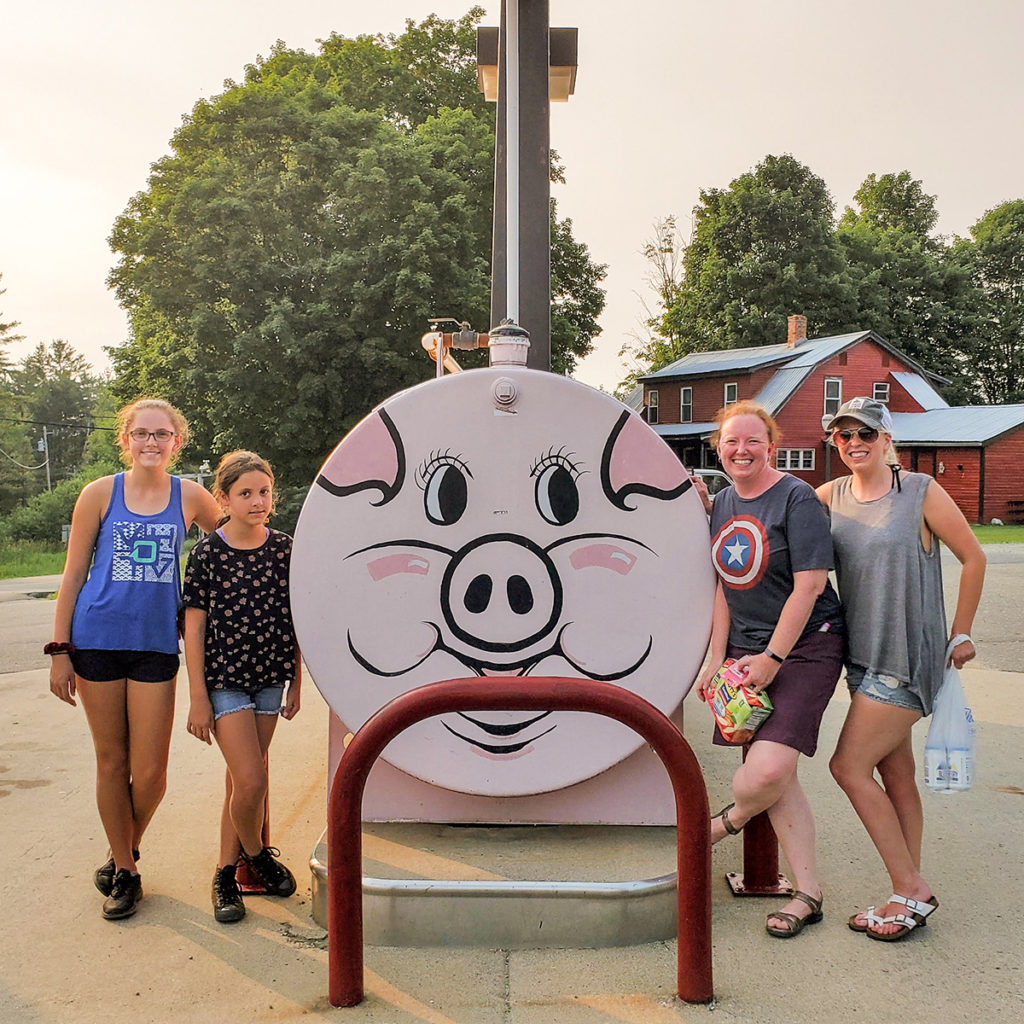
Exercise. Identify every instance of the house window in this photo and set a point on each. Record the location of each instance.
(794, 458)
(652, 406)
(833, 395)
(686, 405)
(732, 394)
(880, 393)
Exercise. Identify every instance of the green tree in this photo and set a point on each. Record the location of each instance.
(15, 451)
(994, 256)
(763, 248)
(910, 287)
(58, 390)
(287, 255)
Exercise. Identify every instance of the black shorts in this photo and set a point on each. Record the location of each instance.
(143, 666)
(800, 691)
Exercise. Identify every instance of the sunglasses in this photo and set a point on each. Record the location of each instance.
(866, 434)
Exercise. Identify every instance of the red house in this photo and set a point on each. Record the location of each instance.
(975, 452)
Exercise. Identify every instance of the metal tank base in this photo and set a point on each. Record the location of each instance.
(445, 885)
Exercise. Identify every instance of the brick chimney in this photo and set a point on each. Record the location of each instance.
(797, 330)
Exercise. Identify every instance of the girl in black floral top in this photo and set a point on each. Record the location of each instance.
(241, 655)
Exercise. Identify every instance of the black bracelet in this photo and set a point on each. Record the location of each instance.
(771, 654)
(59, 647)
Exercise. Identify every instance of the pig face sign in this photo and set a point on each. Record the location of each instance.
(454, 533)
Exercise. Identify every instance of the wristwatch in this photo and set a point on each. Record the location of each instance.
(771, 654)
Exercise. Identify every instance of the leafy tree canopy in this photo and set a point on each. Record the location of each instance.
(286, 256)
(761, 249)
(994, 257)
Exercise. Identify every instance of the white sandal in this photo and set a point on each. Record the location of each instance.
(918, 911)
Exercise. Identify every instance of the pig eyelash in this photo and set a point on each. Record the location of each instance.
(430, 464)
(560, 458)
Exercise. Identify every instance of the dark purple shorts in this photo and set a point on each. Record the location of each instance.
(99, 666)
(800, 691)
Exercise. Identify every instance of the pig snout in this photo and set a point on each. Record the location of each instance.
(501, 594)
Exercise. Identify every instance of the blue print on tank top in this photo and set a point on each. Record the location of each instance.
(144, 552)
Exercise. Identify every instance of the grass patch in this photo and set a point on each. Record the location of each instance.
(30, 558)
(999, 534)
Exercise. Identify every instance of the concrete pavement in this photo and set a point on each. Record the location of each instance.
(60, 962)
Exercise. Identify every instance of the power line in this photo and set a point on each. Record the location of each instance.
(22, 465)
(60, 423)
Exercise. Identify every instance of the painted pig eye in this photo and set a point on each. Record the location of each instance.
(556, 494)
(445, 488)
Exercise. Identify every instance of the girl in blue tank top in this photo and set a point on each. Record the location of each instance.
(115, 639)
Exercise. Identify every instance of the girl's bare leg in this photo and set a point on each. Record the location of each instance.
(150, 708)
(243, 740)
(793, 821)
(758, 783)
(230, 846)
(106, 712)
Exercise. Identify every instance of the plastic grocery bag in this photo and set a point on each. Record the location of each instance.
(949, 748)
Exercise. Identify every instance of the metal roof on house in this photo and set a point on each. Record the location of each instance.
(634, 398)
(805, 353)
(684, 429)
(920, 390)
(963, 425)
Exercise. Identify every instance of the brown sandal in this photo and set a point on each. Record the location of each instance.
(723, 817)
(794, 924)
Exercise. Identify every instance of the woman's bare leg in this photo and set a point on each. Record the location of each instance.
(875, 734)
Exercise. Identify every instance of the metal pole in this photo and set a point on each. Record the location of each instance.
(344, 829)
(46, 452)
(512, 157)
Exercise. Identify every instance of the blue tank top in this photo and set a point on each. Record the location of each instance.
(130, 600)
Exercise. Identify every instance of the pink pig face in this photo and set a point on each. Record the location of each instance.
(447, 537)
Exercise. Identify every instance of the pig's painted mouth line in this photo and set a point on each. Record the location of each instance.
(489, 668)
(504, 748)
(508, 729)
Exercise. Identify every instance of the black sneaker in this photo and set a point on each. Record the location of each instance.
(103, 877)
(227, 900)
(276, 878)
(124, 895)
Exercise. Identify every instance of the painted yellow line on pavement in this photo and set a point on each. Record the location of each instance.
(400, 1000)
(425, 865)
(636, 1009)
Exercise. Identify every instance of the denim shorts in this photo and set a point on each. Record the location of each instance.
(882, 688)
(262, 702)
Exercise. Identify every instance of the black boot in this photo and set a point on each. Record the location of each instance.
(227, 900)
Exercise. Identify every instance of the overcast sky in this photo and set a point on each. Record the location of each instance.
(672, 96)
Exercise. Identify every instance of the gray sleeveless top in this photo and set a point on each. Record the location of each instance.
(890, 586)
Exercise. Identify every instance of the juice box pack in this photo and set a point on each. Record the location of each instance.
(738, 710)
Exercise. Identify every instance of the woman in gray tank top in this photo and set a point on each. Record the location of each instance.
(886, 528)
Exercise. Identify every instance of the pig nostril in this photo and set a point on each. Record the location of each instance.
(478, 594)
(520, 596)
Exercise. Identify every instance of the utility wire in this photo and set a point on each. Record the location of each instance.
(22, 465)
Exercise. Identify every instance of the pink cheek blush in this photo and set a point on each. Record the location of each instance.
(391, 565)
(603, 556)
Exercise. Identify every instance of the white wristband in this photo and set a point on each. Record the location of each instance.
(960, 638)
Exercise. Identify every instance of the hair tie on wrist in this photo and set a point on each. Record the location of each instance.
(59, 647)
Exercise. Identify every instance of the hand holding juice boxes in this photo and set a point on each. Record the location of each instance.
(738, 710)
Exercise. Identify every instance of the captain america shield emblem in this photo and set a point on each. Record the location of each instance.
(740, 552)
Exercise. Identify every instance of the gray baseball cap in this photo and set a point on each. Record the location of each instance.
(867, 411)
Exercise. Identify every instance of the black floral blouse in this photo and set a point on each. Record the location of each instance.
(250, 639)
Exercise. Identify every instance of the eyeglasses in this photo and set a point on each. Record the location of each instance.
(160, 436)
(867, 434)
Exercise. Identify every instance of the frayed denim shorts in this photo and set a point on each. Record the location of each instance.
(882, 688)
(262, 702)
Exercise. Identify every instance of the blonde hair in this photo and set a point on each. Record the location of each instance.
(235, 465)
(126, 417)
(746, 408)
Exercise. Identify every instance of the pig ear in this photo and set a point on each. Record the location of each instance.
(371, 457)
(636, 461)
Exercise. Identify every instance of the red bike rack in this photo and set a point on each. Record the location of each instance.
(513, 693)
